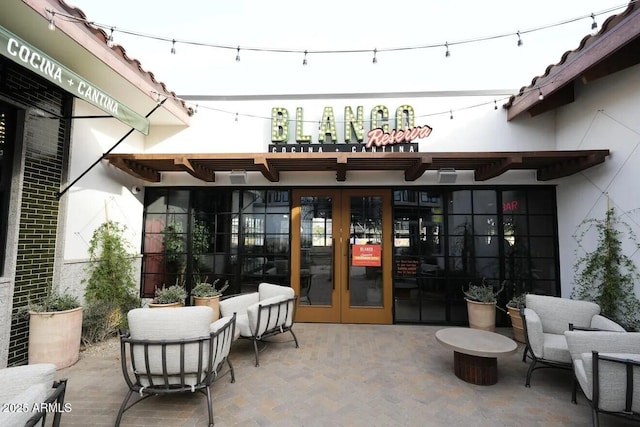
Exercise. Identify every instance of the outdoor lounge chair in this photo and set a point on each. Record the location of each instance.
(546, 318)
(262, 314)
(28, 393)
(606, 365)
(174, 350)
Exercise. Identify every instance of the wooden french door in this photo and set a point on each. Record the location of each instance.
(341, 264)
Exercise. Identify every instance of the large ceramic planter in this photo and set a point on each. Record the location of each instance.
(170, 305)
(516, 323)
(54, 337)
(482, 315)
(213, 302)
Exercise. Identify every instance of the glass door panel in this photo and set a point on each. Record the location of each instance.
(314, 255)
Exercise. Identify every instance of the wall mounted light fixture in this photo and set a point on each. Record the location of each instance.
(447, 176)
(238, 176)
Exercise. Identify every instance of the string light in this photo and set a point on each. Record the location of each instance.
(195, 110)
(173, 47)
(52, 22)
(110, 39)
(236, 117)
(519, 33)
(540, 95)
(450, 112)
(304, 61)
(375, 58)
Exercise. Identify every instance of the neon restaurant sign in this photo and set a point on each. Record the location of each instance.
(380, 137)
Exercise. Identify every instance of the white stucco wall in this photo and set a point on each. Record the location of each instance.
(106, 191)
(103, 193)
(604, 115)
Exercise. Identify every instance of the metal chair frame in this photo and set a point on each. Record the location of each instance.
(537, 362)
(272, 310)
(164, 383)
(628, 412)
(57, 399)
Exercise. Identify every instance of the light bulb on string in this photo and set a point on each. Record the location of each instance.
(304, 61)
(540, 94)
(375, 57)
(447, 54)
(519, 39)
(238, 55)
(495, 104)
(173, 47)
(236, 118)
(594, 24)
(451, 114)
(110, 38)
(52, 22)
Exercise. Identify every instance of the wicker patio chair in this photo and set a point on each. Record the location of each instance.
(174, 350)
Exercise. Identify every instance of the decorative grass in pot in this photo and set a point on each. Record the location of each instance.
(55, 329)
(205, 293)
(481, 305)
(172, 296)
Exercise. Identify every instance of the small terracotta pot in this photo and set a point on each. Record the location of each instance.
(170, 305)
(482, 315)
(213, 302)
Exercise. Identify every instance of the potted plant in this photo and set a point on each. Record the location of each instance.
(481, 305)
(606, 275)
(205, 293)
(172, 296)
(55, 329)
(514, 307)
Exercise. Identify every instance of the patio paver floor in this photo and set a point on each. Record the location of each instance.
(342, 375)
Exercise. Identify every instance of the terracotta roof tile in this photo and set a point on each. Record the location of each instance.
(100, 34)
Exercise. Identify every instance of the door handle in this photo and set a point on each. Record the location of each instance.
(348, 264)
(333, 263)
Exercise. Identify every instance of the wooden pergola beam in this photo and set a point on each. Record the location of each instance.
(492, 170)
(418, 168)
(267, 170)
(136, 170)
(195, 170)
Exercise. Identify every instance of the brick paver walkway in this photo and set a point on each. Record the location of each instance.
(342, 375)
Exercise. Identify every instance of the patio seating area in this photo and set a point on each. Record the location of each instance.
(342, 375)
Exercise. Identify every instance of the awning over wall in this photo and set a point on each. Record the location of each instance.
(547, 164)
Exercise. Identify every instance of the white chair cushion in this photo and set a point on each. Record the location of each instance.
(242, 325)
(170, 324)
(16, 379)
(36, 393)
(267, 321)
(612, 381)
(605, 324)
(581, 375)
(556, 313)
(534, 332)
(223, 344)
(238, 304)
(267, 290)
(555, 348)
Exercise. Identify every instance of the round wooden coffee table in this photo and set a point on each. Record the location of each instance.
(475, 353)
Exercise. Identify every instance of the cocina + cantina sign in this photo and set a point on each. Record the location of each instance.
(380, 138)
